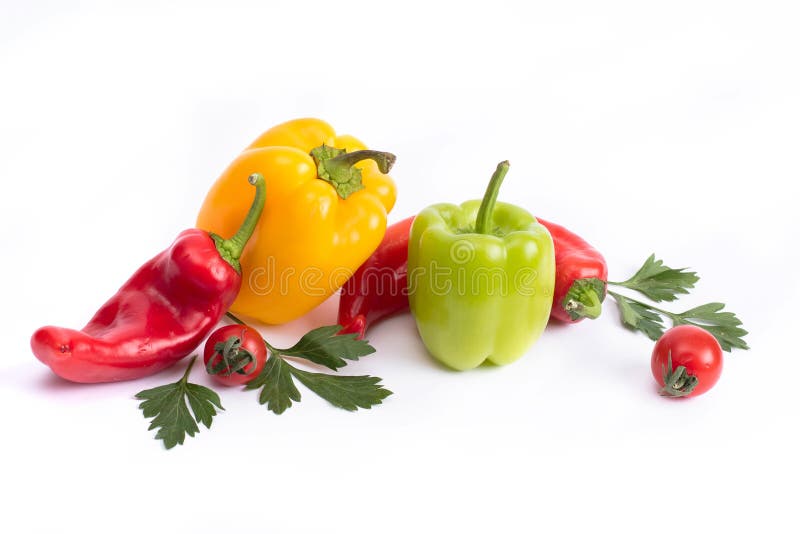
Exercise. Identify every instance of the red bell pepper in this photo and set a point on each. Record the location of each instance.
(160, 315)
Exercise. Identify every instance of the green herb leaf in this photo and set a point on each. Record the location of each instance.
(278, 389)
(167, 404)
(324, 347)
(639, 316)
(346, 392)
(724, 326)
(660, 283)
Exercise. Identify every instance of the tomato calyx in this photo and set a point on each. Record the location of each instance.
(678, 382)
(229, 358)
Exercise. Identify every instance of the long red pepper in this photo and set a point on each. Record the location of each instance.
(581, 273)
(378, 288)
(160, 314)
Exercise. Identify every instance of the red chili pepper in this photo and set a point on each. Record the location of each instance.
(160, 314)
(581, 274)
(378, 288)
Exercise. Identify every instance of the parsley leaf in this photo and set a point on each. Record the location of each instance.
(324, 347)
(660, 283)
(638, 316)
(723, 325)
(278, 389)
(346, 392)
(167, 404)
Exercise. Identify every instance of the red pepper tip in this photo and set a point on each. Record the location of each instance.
(51, 344)
(357, 326)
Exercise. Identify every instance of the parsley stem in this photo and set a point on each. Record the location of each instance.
(236, 320)
(188, 369)
(671, 315)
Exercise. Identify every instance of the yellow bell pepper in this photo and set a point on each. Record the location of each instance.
(325, 213)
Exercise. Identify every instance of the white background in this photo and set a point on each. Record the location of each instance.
(667, 127)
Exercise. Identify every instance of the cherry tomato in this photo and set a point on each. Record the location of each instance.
(235, 354)
(686, 362)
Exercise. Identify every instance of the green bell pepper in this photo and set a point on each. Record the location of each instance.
(481, 279)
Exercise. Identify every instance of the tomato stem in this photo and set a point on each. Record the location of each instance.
(677, 382)
(232, 358)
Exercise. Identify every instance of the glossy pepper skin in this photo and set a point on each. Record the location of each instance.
(378, 288)
(364, 301)
(160, 315)
(578, 265)
(481, 279)
(319, 224)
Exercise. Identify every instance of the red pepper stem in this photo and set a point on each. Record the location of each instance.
(231, 249)
(584, 298)
(590, 306)
(483, 221)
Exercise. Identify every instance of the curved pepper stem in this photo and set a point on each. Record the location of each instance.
(584, 298)
(483, 220)
(337, 167)
(231, 249)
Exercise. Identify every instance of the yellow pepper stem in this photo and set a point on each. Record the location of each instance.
(385, 160)
(337, 167)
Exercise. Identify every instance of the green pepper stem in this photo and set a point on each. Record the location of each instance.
(231, 249)
(484, 219)
(343, 162)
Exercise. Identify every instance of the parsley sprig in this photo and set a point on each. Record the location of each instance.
(172, 416)
(723, 325)
(660, 283)
(167, 404)
(322, 346)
